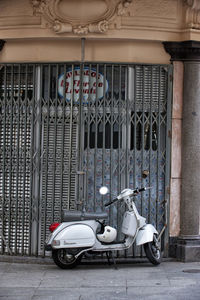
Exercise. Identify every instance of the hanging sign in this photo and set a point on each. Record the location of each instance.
(92, 85)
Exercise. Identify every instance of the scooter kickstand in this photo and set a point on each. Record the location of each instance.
(109, 255)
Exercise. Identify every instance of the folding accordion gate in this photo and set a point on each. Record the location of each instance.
(67, 129)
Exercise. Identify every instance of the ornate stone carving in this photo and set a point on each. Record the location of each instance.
(193, 14)
(97, 16)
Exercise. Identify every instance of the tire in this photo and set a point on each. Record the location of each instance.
(64, 259)
(153, 252)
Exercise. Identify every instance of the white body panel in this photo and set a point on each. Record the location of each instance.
(74, 235)
(130, 224)
(142, 221)
(77, 235)
(145, 234)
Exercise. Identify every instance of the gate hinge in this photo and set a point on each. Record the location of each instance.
(171, 77)
(169, 134)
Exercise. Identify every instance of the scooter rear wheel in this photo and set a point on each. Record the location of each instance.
(152, 251)
(64, 259)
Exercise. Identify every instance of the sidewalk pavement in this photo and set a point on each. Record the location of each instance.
(133, 280)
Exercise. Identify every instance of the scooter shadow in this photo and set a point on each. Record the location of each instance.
(143, 263)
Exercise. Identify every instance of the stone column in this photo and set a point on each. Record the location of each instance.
(188, 245)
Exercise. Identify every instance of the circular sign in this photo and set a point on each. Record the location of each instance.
(92, 85)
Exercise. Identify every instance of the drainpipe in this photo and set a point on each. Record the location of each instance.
(81, 179)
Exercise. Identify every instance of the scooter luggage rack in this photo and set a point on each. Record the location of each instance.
(75, 215)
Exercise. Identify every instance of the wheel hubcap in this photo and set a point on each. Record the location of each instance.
(156, 248)
(66, 257)
(156, 252)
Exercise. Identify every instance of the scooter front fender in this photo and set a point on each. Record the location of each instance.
(145, 234)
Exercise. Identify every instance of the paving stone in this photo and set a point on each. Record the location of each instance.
(100, 282)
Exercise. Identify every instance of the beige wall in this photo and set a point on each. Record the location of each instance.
(95, 50)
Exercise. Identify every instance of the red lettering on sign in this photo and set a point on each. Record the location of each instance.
(76, 73)
(86, 91)
(68, 90)
(88, 81)
(92, 91)
(77, 82)
(69, 74)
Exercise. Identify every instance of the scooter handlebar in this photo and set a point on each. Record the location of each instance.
(111, 202)
(142, 189)
(135, 192)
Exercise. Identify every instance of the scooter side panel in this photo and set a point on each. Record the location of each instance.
(74, 236)
(145, 234)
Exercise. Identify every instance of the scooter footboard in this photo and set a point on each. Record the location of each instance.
(145, 234)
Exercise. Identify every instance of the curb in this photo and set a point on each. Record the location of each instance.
(85, 261)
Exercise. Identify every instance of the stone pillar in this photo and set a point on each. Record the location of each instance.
(188, 245)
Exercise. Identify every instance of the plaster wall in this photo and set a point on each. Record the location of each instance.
(95, 50)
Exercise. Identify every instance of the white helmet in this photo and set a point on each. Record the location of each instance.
(108, 236)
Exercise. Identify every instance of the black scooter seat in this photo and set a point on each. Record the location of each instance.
(75, 215)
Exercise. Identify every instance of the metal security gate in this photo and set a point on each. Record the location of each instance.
(65, 130)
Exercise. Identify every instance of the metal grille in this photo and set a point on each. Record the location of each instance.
(60, 121)
(15, 157)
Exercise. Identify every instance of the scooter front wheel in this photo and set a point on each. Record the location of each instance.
(64, 259)
(152, 251)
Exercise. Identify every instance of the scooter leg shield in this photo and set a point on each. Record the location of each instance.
(145, 234)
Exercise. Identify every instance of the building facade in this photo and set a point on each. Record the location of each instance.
(95, 93)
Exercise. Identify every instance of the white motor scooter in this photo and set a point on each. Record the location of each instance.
(81, 233)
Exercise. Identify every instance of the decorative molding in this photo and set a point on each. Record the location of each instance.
(2, 42)
(183, 51)
(62, 17)
(193, 14)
